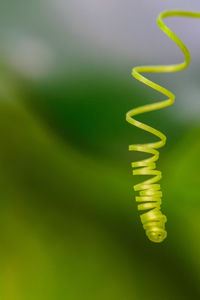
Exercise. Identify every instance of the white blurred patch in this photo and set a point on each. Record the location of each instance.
(29, 56)
(127, 28)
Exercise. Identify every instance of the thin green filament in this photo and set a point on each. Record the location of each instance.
(149, 199)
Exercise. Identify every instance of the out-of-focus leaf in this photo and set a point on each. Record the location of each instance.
(69, 229)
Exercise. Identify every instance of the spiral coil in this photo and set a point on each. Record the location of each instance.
(150, 195)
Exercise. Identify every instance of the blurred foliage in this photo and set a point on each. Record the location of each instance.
(88, 110)
(69, 224)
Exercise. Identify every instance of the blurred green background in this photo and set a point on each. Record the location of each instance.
(68, 218)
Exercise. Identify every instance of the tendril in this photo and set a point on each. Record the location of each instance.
(150, 195)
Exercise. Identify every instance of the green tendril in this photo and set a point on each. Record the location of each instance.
(149, 198)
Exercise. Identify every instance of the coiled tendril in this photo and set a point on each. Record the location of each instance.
(149, 198)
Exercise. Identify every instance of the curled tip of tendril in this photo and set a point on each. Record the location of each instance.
(149, 191)
(156, 235)
(154, 225)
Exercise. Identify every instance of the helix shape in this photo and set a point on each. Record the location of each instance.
(150, 195)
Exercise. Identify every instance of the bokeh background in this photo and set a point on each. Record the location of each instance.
(69, 226)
